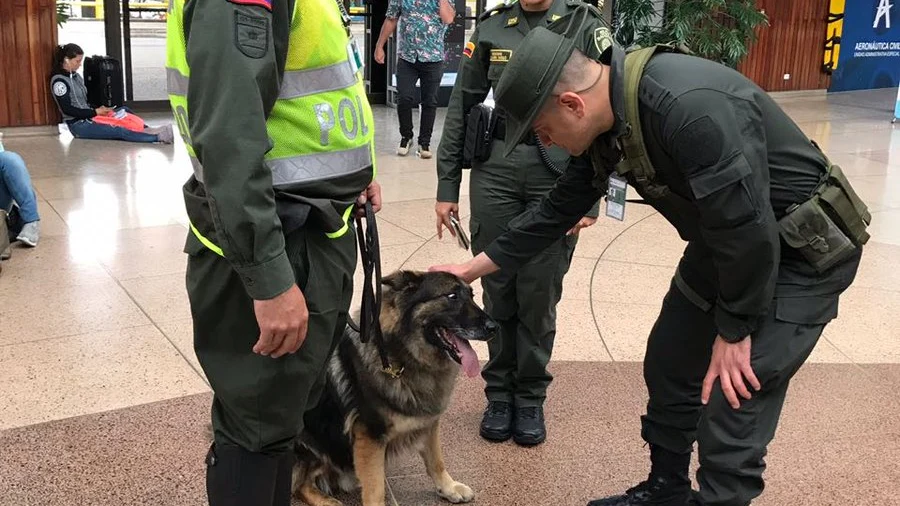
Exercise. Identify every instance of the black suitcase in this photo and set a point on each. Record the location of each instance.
(104, 81)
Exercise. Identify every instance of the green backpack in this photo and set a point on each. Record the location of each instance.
(635, 158)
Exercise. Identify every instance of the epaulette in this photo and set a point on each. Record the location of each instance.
(502, 6)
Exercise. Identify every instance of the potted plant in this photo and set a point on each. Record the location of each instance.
(720, 30)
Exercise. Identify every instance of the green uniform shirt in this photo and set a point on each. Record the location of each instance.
(490, 48)
(734, 162)
(231, 93)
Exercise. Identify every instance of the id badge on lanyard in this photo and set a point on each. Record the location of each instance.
(356, 61)
(615, 197)
(353, 53)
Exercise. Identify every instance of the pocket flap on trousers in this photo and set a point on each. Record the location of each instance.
(809, 310)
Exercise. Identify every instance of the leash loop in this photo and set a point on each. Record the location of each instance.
(370, 311)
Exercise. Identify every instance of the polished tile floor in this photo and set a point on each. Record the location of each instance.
(102, 400)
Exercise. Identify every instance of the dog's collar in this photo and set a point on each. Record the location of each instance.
(393, 371)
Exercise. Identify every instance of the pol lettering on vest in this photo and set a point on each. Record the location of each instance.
(326, 118)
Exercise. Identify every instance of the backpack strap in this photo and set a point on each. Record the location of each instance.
(635, 158)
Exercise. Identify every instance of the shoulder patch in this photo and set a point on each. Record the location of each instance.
(60, 88)
(500, 55)
(266, 4)
(251, 34)
(602, 39)
(469, 50)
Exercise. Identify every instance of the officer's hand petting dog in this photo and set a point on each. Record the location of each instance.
(730, 363)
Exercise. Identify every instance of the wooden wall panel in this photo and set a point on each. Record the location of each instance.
(28, 38)
(793, 43)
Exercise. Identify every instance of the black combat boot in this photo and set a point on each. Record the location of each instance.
(529, 423)
(237, 477)
(667, 485)
(496, 425)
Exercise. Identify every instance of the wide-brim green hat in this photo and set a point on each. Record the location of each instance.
(533, 70)
(528, 79)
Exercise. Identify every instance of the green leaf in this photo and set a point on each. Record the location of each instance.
(720, 30)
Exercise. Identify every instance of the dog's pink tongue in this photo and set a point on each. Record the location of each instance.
(469, 358)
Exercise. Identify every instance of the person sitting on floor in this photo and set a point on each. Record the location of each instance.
(15, 186)
(70, 93)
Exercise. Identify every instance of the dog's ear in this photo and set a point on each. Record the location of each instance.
(401, 281)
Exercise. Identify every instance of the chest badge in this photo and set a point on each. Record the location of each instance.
(554, 17)
(513, 21)
(500, 55)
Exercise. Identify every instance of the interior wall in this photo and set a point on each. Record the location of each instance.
(789, 53)
(27, 42)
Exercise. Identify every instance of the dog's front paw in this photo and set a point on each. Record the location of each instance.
(457, 493)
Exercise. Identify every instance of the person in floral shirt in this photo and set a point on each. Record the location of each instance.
(420, 52)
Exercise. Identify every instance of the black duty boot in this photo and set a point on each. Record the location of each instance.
(530, 429)
(667, 485)
(237, 477)
(496, 425)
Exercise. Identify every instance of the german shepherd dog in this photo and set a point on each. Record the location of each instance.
(368, 413)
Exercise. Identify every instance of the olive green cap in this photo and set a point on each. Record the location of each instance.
(534, 69)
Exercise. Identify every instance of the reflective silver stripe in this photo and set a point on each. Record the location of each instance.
(176, 82)
(198, 168)
(319, 166)
(296, 83)
(300, 83)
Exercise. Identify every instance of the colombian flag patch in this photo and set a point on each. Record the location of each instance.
(266, 4)
(469, 49)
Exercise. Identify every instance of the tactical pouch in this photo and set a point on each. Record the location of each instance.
(840, 201)
(477, 145)
(809, 229)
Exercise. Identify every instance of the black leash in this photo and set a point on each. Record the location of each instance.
(370, 256)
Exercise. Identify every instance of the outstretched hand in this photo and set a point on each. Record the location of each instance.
(480, 265)
(731, 364)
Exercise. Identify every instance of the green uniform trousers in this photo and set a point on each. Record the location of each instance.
(522, 303)
(259, 401)
(731, 443)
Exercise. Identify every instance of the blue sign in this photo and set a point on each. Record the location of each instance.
(870, 46)
(896, 111)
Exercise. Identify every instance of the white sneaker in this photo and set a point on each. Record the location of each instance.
(30, 233)
(403, 149)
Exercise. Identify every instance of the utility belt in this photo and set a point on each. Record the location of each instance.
(830, 226)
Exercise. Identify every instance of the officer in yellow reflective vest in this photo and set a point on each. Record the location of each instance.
(271, 107)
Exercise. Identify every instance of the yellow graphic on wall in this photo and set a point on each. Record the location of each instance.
(833, 34)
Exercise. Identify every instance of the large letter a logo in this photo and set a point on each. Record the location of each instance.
(884, 12)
